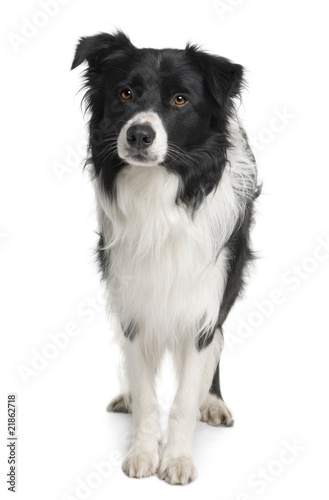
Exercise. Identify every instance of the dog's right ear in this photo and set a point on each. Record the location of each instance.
(94, 49)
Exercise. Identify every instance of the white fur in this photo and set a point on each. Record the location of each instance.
(165, 273)
(168, 274)
(157, 151)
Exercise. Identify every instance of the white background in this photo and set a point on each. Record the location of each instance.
(274, 369)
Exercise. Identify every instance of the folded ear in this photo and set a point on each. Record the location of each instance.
(95, 48)
(223, 78)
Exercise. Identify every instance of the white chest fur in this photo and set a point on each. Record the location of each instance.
(168, 270)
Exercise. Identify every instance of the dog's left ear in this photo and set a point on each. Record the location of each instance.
(94, 49)
(223, 77)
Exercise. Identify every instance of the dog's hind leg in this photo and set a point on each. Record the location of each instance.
(121, 404)
(213, 410)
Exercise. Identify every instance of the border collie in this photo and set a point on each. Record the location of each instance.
(175, 182)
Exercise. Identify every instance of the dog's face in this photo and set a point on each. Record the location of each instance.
(158, 106)
(151, 107)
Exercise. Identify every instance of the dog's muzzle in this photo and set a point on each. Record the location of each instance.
(140, 136)
(143, 140)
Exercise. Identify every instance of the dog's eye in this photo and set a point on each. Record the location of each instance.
(126, 94)
(179, 100)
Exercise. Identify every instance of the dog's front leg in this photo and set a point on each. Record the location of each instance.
(142, 459)
(177, 464)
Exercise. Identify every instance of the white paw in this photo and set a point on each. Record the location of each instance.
(215, 412)
(140, 462)
(179, 470)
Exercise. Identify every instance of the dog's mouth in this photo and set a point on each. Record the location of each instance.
(139, 158)
(142, 157)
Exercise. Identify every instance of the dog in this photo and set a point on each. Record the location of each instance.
(175, 182)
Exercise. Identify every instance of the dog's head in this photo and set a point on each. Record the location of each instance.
(151, 107)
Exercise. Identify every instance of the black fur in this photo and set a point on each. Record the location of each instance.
(215, 386)
(102, 256)
(211, 83)
(130, 331)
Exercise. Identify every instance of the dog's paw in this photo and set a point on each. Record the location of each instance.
(141, 463)
(178, 470)
(215, 412)
(121, 404)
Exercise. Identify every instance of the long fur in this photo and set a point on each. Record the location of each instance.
(174, 232)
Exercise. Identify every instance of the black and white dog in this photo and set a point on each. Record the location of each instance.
(175, 182)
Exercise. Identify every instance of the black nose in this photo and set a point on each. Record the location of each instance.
(140, 136)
